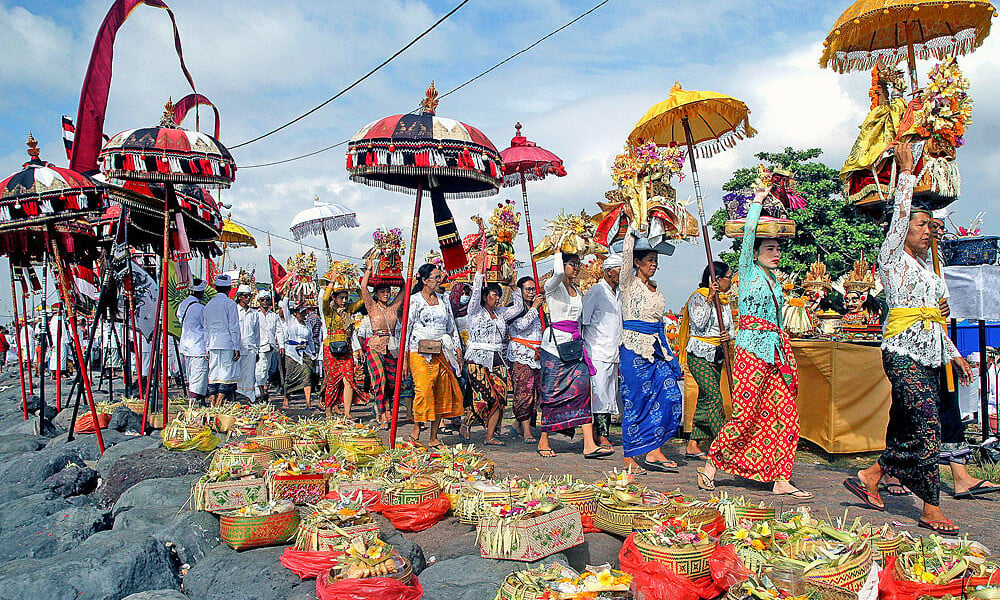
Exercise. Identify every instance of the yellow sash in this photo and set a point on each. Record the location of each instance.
(901, 319)
(684, 332)
(715, 341)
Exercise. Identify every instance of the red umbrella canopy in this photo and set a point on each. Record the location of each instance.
(197, 206)
(527, 159)
(399, 152)
(168, 154)
(43, 193)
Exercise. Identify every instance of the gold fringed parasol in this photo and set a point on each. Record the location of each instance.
(236, 236)
(870, 30)
(716, 121)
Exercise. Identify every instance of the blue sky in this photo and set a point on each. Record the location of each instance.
(577, 94)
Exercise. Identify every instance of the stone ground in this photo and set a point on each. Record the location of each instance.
(77, 525)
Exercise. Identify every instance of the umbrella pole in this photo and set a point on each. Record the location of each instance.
(911, 57)
(168, 201)
(329, 255)
(17, 338)
(949, 373)
(30, 359)
(407, 288)
(70, 313)
(708, 244)
(531, 245)
(58, 349)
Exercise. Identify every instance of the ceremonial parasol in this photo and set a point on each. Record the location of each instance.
(167, 154)
(708, 123)
(321, 218)
(892, 30)
(526, 160)
(234, 236)
(42, 194)
(411, 152)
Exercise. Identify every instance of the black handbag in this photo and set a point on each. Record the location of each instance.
(571, 351)
(337, 348)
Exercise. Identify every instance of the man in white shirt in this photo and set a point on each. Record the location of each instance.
(191, 314)
(602, 329)
(223, 339)
(267, 353)
(250, 335)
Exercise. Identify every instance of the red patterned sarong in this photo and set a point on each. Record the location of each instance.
(338, 368)
(382, 369)
(759, 440)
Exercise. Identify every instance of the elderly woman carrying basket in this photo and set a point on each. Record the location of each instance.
(914, 348)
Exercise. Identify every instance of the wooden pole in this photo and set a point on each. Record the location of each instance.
(531, 245)
(911, 57)
(936, 262)
(84, 374)
(43, 346)
(58, 349)
(407, 288)
(17, 338)
(168, 202)
(984, 387)
(30, 355)
(708, 245)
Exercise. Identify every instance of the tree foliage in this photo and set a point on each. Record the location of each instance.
(828, 228)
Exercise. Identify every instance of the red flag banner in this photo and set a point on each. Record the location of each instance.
(278, 272)
(97, 82)
(211, 271)
(190, 101)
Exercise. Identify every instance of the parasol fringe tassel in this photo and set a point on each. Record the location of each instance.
(316, 227)
(963, 42)
(402, 189)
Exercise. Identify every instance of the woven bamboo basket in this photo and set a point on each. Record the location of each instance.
(313, 538)
(353, 486)
(511, 589)
(307, 488)
(700, 517)
(751, 514)
(356, 444)
(224, 423)
(242, 532)
(404, 572)
(690, 561)
(416, 491)
(277, 443)
(471, 502)
(308, 446)
(849, 575)
(225, 458)
(617, 519)
(584, 500)
(883, 548)
(228, 495)
(822, 591)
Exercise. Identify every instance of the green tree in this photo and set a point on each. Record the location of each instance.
(828, 228)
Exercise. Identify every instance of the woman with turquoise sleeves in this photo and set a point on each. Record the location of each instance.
(759, 440)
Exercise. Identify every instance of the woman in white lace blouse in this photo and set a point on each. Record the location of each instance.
(915, 347)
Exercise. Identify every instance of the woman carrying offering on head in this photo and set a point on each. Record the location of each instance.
(650, 373)
(338, 355)
(434, 355)
(488, 375)
(704, 353)
(566, 370)
(523, 350)
(759, 440)
(914, 348)
(383, 343)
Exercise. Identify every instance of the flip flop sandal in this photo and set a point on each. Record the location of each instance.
(598, 454)
(704, 481)
(694, 456)
(896, 489)
(654, 465)
(494, 442)
(980, 489)
(546, 453)
(945, 527)
(797, 494)
(858, 489)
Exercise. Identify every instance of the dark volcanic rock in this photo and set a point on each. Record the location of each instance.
(74, 480)
(248, 575)
(172, 492)
(125, 420)
(157, 595)
(408, 549)
(38, 527)
(599, 548)
(193, 534)
(86, 443)
(131, 445)
(149, 464)
(32, 468)
(471, 577)
(107, 566)
(19, 443)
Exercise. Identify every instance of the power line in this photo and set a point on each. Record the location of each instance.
(357, 82)
(449, 92)
(294, 241)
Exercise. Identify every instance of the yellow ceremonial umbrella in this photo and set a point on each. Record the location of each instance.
(235, 236)
(708, 123)
(891, 30)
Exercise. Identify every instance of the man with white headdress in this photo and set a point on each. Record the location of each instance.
(193, 348)
(250, 335)
(267, 353)
(602, 329)
(223, 339)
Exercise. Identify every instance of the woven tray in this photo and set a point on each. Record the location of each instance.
(245, 532)
(850, 575)
(312, 538)
(767, 227)
(277, 443)
(585, 501)
(617, 519)
(690, 561)
(229, 495)
(300, 489)
(308, 446)
(472, 500)
(419, 490)
(537, 537)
